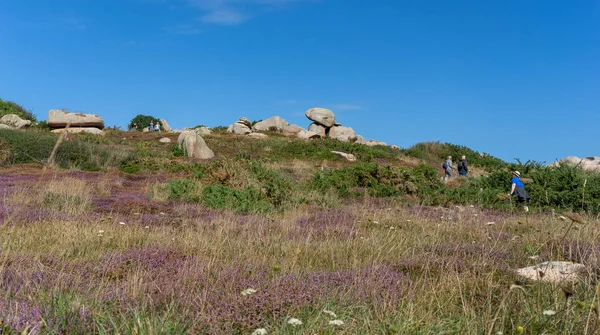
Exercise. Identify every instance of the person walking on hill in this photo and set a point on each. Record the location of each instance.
(157, 127)
(518, 188)
(448, 168)
(151, 126)
(463, 168)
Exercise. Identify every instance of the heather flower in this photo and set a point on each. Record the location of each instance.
(260, 331)
(330, 313)
(294, 322)
(336, 323)
(248, 291)
(549, 312)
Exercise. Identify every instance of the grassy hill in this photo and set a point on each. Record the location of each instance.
(124, 235)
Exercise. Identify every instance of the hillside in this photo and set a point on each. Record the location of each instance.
(124, 234)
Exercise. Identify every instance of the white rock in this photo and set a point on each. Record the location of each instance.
(14, 121)
(318, 129)
(322, 116)
(393, 146)
(3, 126)
(292, 129)
(165, 140)
(76, 130)
(372, 143)
(245, 122)
(591, 163)
(344, 134)
(165, 126)
(307, 135)
(554, 272)
(271, 123)
(349, 157)
(239, 128)
(60, 119)
(194, 146)
(202, 131)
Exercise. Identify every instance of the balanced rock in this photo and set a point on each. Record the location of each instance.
(273, 123)
(194, 146)
(344, 134)
(241, 127)
(165, 140)
(307, 135)
(349, 157)
(292, 129)
(77, 130)
(554, 272)
(587, 163)
(245, 122)
(14, 121)
(60, 119)
(322, 116)
(318, 129)
(165, 126)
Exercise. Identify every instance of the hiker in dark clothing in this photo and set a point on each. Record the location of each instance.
(463, 168)
(518, 188)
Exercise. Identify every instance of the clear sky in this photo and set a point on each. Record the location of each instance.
(514, 78)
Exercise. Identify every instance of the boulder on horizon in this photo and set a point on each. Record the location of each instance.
(322, 116)
(274, 122)
(14, 121)
(60, 119)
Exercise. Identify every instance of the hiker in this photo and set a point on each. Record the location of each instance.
(518, 188)
(134, 126)
(157, 127)
(463, 168)
(151, 126)
(447, 166)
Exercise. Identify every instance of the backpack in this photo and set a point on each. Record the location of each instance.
(461, 165)
(445, 165)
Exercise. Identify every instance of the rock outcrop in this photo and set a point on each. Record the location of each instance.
(165, 126)
(322, 116)
(77, 130)
(193, 145)
(3, 126)
(344, 134)
(318, 129)
(307, 135)
(588, 163)
(60, 119)
(273, 123)
(292, 129)
(241, 127)
(14, 121)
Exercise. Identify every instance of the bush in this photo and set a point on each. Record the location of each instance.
(142, 121)
(437, 152)
(9, 107)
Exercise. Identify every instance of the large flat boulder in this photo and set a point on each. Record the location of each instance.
(239, 128)
(307, 135)
(322, 116)
(273, 123)
(194, 146)
(14, 121)
(60, 119)
(76, 130)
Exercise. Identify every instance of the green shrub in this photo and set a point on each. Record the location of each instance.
(247, 200)
(436, 152)
(9, 107)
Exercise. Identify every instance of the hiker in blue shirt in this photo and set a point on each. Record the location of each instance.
(518, 188)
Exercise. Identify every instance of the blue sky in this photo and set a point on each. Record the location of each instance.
(511, 78)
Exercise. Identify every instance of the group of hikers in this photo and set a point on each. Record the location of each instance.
(151, 126)
(517, 187)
